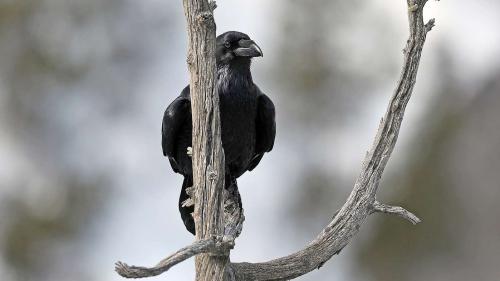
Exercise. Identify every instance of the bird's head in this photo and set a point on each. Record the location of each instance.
(236, 48)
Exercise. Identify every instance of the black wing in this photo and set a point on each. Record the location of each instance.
(265, 129)
(175, 115)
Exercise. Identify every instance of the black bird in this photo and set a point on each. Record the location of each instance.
(247, 116)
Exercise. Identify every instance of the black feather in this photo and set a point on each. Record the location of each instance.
(247, 116)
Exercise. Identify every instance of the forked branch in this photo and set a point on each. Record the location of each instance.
(362, 200)
(360, 203)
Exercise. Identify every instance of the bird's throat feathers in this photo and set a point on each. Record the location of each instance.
(232, 77)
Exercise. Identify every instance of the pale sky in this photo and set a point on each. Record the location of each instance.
(143, 227)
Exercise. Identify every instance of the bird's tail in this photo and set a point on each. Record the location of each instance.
(186, 203)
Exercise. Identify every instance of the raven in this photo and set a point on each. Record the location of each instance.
(247, 116)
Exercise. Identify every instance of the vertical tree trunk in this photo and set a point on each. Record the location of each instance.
(208, 156)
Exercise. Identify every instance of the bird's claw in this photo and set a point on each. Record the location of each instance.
(187, 203)
(190, 191)
(190, 200)
(189, 151)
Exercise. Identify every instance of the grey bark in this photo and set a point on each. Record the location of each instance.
(208, 156)
(209, 245)
(209, 169)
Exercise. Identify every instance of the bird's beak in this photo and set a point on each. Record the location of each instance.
(248, 48)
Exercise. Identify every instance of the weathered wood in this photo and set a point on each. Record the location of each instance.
(361, 201)
(208, 156)
(208, 168)
(209, 245)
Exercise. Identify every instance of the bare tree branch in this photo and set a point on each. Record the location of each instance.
(216, 246)
(395, 210)
(208, 156)
(209, 168)
(210, 245)
(361, 201)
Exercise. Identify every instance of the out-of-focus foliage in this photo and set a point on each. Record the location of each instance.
(46, 225)
(67, 70)
(315, 65)
(451, 181)
(83, 182)
(450, 158)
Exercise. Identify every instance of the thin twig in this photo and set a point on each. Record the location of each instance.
(395, 210)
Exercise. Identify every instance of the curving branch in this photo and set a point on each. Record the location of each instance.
(361, 201)
(346, 222)
(212, 245)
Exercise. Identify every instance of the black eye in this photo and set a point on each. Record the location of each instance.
(227, 45)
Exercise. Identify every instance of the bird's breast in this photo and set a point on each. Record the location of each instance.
(238, 111)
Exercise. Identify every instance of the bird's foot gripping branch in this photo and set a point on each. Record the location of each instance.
(224, 214)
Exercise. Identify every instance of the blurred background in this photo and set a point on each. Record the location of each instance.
(83, 183)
